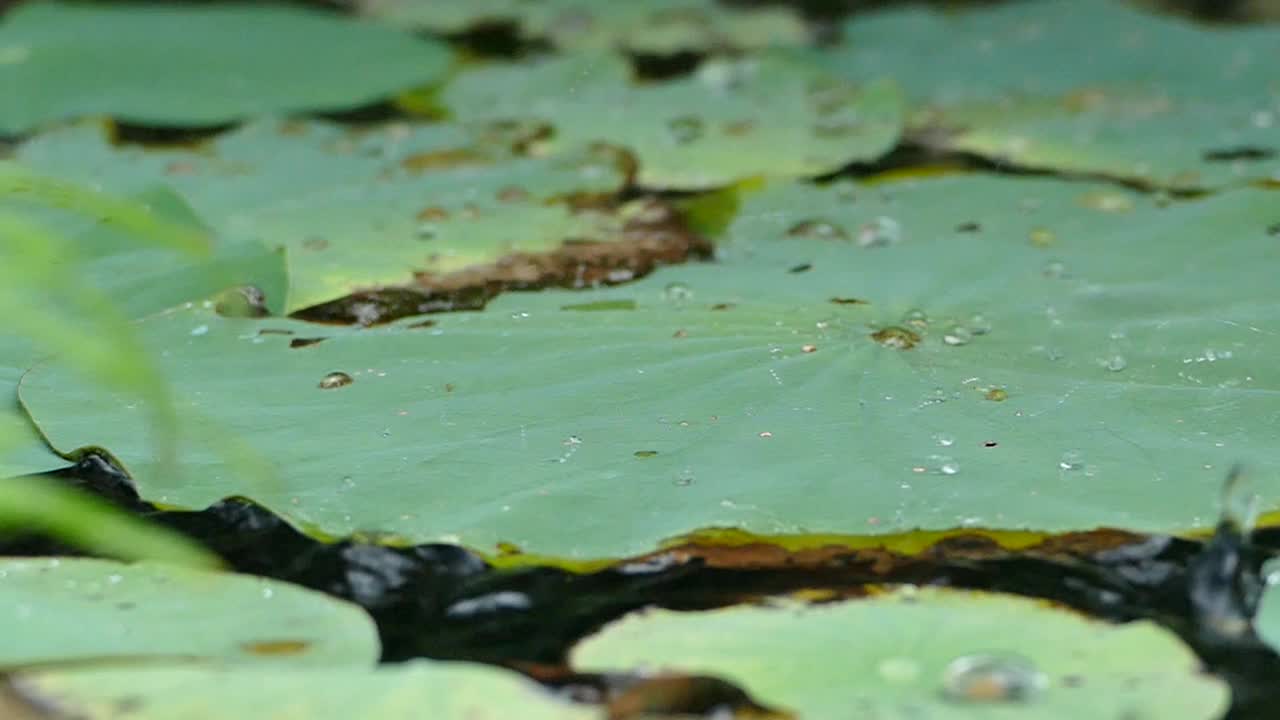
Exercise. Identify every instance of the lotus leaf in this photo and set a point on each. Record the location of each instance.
(1092, 86)
(936, 654)
(657, 27)
(356, 210)
(951, 352)
(154, 612)
(732, 119)
(221, 62)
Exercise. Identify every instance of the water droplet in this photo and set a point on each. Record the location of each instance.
(200, 330)
(950, 467)
(268, 593)
(1071, 460)
(996, 394)
(808, 348)
(944, 439)
(982, 678)
(348, 482)
(1042, 237)
(979, 324)
(427, 231)
(1055, 269)
(685, 477)
(677, 292)
(898, 669)
(820, 229)
(685, 129)
(765, 434)
(1111, 202)
(1115, 363)
(879, 232)
(896, 337)
(335, 380)
(957, 335)
(916, 318)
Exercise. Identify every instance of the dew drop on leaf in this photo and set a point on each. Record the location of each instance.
(957, 335)
(685, 129)
(1071, 460)
(986, 678)
(979, 324)
(820, 229)
(944, 439)
(1115, 363)
(335, 380)
(1055, 269)
(916, 318)
(677, 292)
(879, 232)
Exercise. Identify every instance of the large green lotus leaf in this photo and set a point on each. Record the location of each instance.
(732, 119)
(421, 689)
(73, 610)
(355, 210)
(658, 27)
(1076, 367)
(137, 278)
(198, 65)
(1092, 86)
(936, 654)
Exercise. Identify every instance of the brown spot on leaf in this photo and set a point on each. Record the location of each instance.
(433, 213)
(642, 236)
(848, 301)
(441, 159)
(276, 647)
(896, 337)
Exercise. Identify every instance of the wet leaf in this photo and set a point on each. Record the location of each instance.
(447, 691)
(935, 654)
(71, 280)
(657, 27)
(733, 119)
(442, 436)
(353, 210)
(1094, 87)
(221, 63)
(161, 613)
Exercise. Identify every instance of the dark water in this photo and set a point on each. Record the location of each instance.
(442, 601)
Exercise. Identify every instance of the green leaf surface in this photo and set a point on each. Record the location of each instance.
(221, 63)
(356, 210)
(900, 657)
(73, 280)
(657, 27)
(154, 612)
(1075, 368)
(420, 689)
(1092, 86)
(732, 119)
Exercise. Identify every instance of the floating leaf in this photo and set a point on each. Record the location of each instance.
(659, 27)
(732, 119)
(166, 614)
(358, 210)
(784, 413)
(939, 654)
(1093, 86)
(221, 63)
(442, 691)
